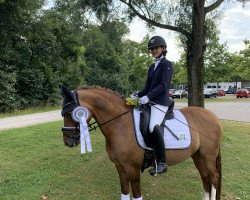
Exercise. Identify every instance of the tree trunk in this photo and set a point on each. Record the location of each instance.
(195, 58)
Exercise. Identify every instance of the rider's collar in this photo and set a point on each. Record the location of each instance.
(158, 59)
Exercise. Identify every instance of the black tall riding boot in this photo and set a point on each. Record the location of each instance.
(159, 147)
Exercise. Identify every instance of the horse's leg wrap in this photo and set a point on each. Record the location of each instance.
(140, 198)
(213, 193)
(125, 197)
(205, 196)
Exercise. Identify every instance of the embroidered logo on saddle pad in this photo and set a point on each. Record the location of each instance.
(180, 137)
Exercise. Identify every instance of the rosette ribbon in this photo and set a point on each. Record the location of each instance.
(81, 114)
(84, 136)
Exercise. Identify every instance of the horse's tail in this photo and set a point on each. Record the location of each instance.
(218, 169)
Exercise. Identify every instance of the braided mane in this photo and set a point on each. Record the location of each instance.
(97, 87)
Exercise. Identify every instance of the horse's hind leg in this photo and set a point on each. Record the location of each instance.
(207, 169)
(199, 163)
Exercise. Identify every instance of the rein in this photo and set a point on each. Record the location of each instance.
(95, 127)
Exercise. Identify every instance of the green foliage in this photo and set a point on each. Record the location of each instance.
(216, 57)
(220, 65)
(245, 64)
(139, 60)
(180, 71)
(32, 80)
(104, 58)
(16, 19)
(44, 50)
(238, 67)
(7, 91)
(41, 49)
(100, 7)
(114, 32)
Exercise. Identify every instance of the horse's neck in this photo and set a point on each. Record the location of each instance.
(106, 106)
(115, 120)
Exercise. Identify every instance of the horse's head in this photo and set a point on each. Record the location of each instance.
(101, 103)
(71, 130)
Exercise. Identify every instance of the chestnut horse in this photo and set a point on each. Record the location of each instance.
(115, 120)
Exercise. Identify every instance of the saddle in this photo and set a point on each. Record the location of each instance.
(145, 111)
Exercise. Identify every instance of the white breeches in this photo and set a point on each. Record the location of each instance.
(157, 115)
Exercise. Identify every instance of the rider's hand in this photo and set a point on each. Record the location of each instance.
(144, 100)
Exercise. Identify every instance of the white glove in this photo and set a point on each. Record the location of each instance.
(144, 100)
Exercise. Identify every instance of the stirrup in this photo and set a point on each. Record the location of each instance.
(159, 168)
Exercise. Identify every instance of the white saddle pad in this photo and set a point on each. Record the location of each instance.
(178, 125)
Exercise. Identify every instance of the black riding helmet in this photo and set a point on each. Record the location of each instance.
(156, 41)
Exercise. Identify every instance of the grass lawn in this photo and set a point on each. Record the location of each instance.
(34, 162)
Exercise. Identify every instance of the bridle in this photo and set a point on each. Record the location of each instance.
(74, 132)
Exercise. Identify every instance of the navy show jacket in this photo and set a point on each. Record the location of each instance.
(158, 83)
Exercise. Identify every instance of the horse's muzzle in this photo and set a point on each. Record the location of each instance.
(71, 136)
(71, 143)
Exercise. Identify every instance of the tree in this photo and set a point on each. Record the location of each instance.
(138, 59)
(64, 26)
(188, 18)
(216, 57)
(16, 19)
(238, 65)
(39, 50)
(180, 72)
(246, 60)
(7, 92)
(104, 58)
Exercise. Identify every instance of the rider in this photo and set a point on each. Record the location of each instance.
(156, 92)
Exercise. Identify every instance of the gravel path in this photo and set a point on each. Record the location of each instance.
(236, 111)
(27, 120)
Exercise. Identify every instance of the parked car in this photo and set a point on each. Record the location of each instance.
(220, 93)
(209, 93)
(231, 90)
(171, 92)
(243, 92)
(180, 94)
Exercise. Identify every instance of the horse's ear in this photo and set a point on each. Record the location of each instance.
(67, 94)
(64, 90)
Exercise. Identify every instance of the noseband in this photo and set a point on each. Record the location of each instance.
(72, 132)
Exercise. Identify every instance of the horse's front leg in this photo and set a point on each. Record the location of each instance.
(134, 179)
(130, 176)
(124, 182)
